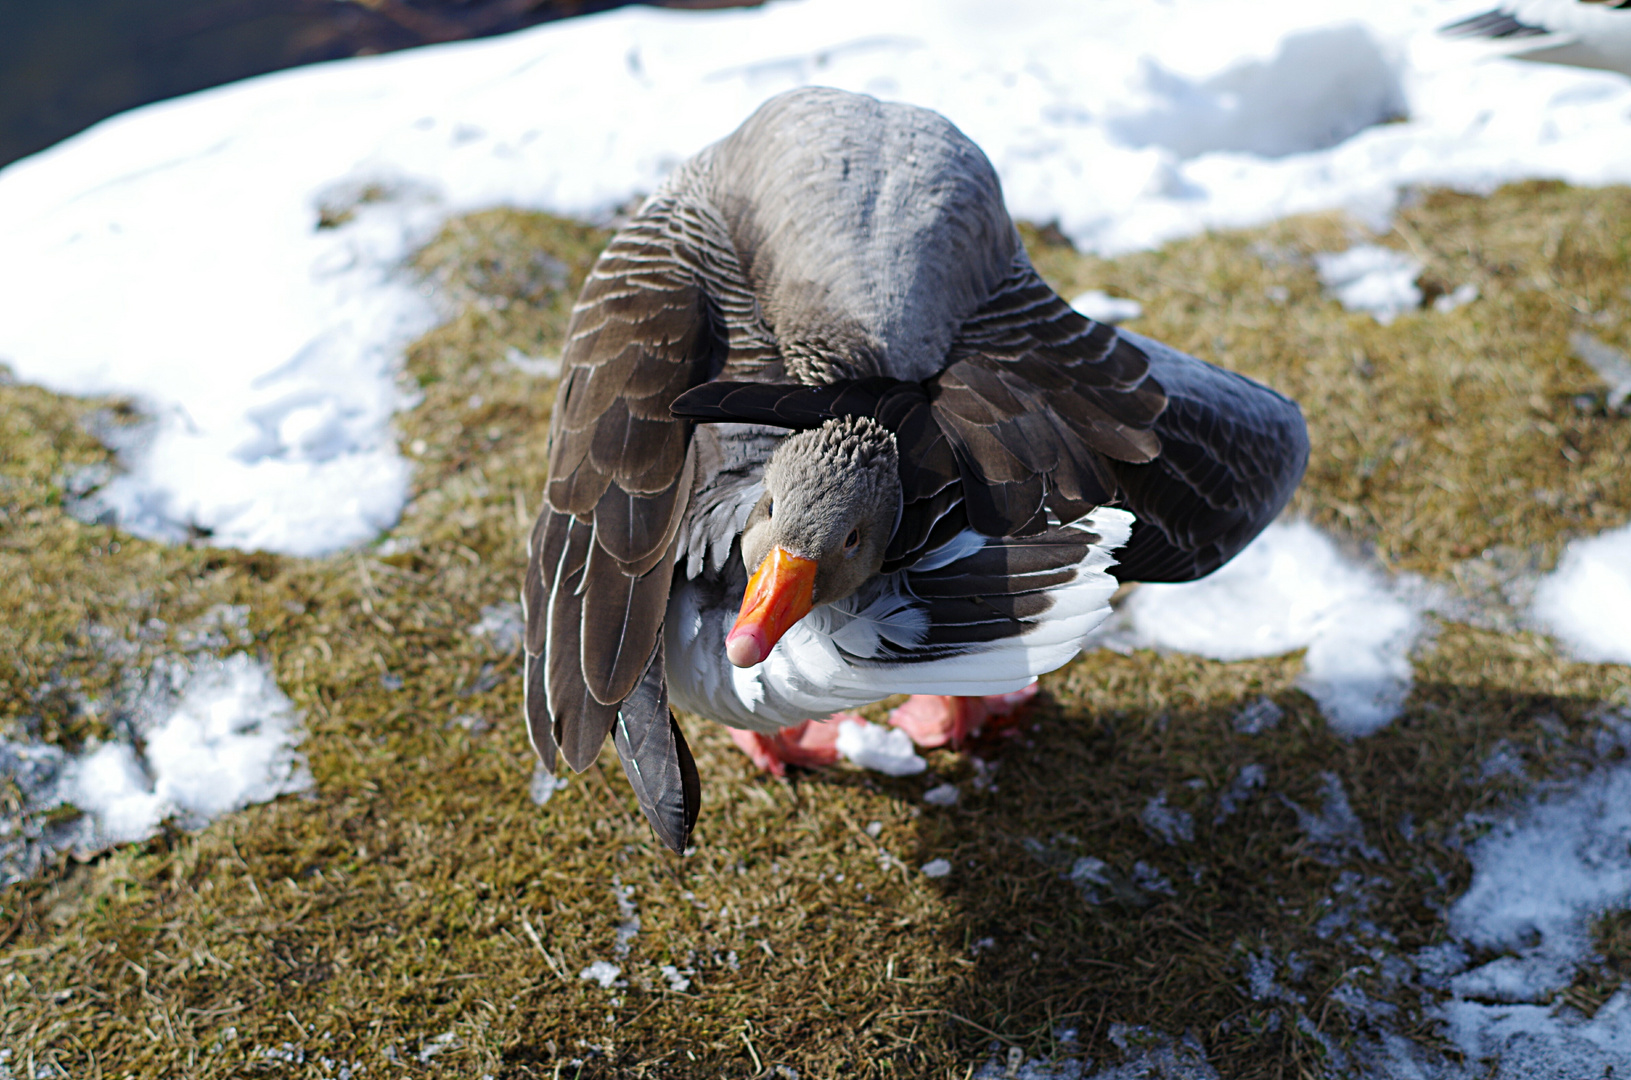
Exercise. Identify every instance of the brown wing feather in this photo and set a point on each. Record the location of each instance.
(600, 562)
(1035, 399)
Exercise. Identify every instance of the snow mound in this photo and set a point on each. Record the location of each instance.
(1290, 589)
(1586, 601)
(1320, 88)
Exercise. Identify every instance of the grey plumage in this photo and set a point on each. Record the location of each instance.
(845, 265)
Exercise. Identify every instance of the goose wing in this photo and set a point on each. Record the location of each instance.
(1043, 414)
(600, 558)
(1232, 454)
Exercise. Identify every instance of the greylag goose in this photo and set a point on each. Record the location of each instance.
(823, 435)
(1580, 33)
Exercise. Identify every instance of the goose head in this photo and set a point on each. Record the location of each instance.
(831, 503)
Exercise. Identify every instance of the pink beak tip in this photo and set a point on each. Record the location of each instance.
(744, 648)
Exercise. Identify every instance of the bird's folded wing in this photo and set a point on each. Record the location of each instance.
(656, 759)
(600, 558)
(1034, 400)
(1232, 453)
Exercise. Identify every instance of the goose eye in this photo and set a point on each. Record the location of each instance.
(853, 539)
(770, 508)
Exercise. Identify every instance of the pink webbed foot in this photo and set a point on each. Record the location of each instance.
(812, 743)
(936, 720)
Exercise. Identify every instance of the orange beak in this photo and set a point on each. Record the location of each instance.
(778, 595)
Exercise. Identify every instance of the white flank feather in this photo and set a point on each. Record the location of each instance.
(823, 665)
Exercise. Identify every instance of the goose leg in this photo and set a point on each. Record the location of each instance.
(812, 743)
(935, 720)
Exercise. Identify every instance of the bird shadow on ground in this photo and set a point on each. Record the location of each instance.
(1129, 874)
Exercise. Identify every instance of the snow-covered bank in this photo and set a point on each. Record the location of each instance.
(174, 253)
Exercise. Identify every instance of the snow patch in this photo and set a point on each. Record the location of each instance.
(1260, 716)
(544, 785)
(886, 750)
(1372, 279)
(1100, 306)
(1320, 88)
(501, 625)
(1458, 297)
(1250, 778)
(603, 972)
(230, 742)
(1540, 878)
(628, 927)
(1335, 833)
(1167, 824)
(1586, 601)
(1538, 881)
(1292, 588)
(205, 738)
(1610, 364)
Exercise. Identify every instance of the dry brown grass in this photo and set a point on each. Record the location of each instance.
(417, 891)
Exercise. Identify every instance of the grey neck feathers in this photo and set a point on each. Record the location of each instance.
(868, 231)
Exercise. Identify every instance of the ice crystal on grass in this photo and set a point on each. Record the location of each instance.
(1335, 832)
(1172, 826)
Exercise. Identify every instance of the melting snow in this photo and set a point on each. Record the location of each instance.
(544, 784)
(1249, 779)
(1335, 832)
(1538, 881)
(603, 972)
(1460, 296)
(502, 625)
(1610, 364)
(206, 738)
(628, 928)
(1260, 716)
(1169, 825)
(265, 348)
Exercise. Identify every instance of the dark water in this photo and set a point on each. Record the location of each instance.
(65, 64)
